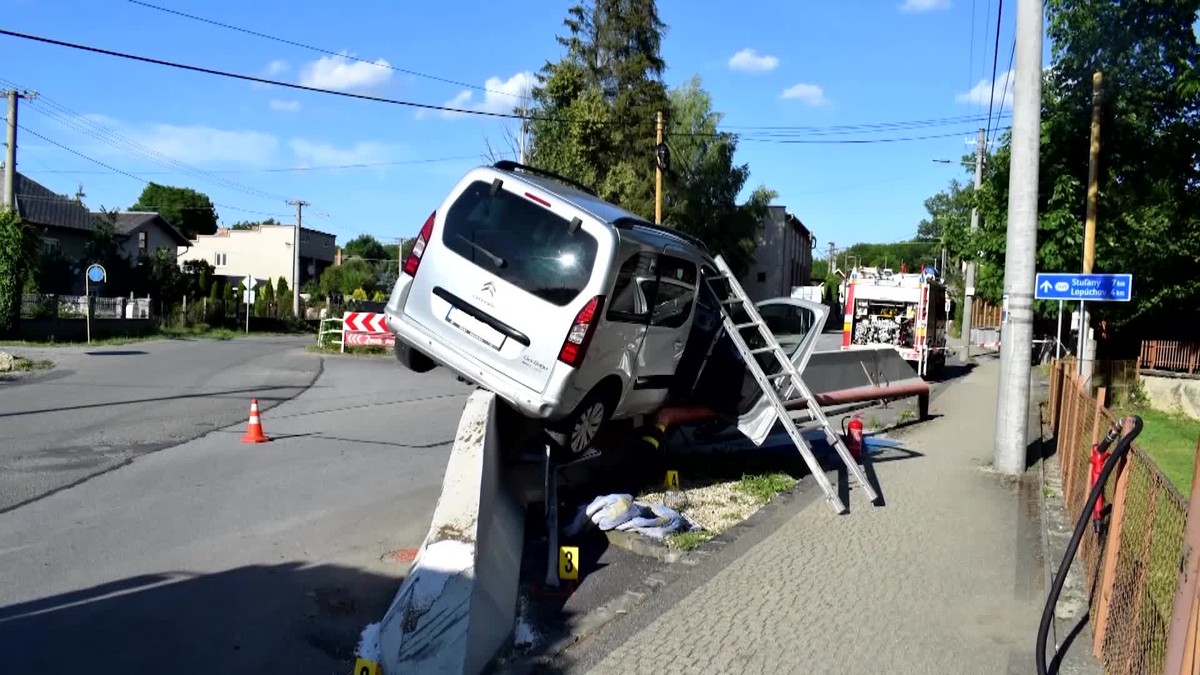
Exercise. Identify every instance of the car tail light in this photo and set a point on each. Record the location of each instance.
(413, 261)
(580, 336)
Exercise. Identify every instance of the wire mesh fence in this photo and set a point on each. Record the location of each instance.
(1133, 568)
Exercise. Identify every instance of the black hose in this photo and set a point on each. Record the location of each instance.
(1118, 454)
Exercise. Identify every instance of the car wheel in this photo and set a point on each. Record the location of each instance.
(413, 359)
(576, 433)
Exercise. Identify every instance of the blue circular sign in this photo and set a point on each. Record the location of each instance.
(95, 274)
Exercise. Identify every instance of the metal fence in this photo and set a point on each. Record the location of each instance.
(1133, 577)
(38, 306)
(1172, 355)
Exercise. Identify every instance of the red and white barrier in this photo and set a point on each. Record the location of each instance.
(357, 329)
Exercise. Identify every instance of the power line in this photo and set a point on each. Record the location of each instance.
(321, 50)
(130, 175)
(293, 169)
(1007, 75)
(262, 80)
(288, 85)
(995, 61)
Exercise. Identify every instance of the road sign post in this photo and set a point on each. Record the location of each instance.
(94, 274)
(1083, 288)
(249, 282)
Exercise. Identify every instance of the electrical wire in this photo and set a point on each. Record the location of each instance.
(261, 80)
(1007, 75)
(331, 92)
(113, 169)
(995, 61)
(293, 169)
(322, 50)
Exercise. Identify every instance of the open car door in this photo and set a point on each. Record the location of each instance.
(796, 324)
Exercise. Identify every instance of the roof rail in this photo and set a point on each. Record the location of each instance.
(638, 222)
(509, 165)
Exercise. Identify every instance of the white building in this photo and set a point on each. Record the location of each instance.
(783, 258)
(263, 251)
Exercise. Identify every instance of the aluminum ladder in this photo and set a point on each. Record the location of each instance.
(788, 371)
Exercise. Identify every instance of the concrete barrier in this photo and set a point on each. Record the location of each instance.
(457, 607)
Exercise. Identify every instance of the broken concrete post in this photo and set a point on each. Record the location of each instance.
(457, 607)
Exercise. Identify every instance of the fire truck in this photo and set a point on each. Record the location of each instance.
(906, 311)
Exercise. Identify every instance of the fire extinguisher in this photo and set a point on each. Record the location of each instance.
(1098, 459)
(852, 434)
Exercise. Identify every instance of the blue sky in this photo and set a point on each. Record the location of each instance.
(770, 63)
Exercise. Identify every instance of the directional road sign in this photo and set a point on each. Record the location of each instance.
(95, 273)
(249, 282)
(1084, 287)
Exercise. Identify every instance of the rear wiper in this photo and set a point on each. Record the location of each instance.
(496, 260)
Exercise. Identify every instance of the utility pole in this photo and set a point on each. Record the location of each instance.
(299, 204)
(10, 156)
(1089, 223)
(1016, 343)
(832, 256)
(659, 165)
(969, 283)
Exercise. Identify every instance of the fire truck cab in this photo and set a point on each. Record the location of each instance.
(903, 311)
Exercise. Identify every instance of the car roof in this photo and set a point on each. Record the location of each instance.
(627, 222)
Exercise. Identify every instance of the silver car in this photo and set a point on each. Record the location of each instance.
(569, 308)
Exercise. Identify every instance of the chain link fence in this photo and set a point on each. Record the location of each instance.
(1133, 567)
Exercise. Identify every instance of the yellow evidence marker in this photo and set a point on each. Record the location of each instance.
(568, 562)
(365, 667)
(672, 480)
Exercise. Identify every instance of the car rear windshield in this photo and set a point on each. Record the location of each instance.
(521, 242)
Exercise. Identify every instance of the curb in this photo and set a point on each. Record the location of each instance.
(681, 564)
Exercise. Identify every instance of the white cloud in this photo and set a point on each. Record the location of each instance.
(340, 72)
(277, 67)
(808, 93)
(284, 106)
(983, 94)
(750, 61)
(924, 5)
(320, 153)
(191, 144)
(502, 96)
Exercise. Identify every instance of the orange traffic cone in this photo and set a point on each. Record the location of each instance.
(254, 432)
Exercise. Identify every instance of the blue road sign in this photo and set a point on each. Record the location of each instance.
(1085, 287)
(95, 274)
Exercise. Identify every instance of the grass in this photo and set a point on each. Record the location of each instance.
(1170, 440)
(198, 332)
(29, 365)
(331, 348)
(688, 541)
(763, 487)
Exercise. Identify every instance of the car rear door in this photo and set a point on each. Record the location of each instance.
(671, 296)
(504, 276)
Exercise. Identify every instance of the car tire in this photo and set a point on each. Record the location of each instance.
(412, 359)
(576, 433)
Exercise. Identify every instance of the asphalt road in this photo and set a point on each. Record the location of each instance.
(101, 407)
(219, 557)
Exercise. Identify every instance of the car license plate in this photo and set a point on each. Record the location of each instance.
(475, 328)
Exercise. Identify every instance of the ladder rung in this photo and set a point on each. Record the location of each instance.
(743, 326)
(762, 350)
(731, 301)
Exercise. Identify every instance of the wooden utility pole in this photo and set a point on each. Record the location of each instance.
(1089, 222)
(658, 168)
(299, 204)
(10, 156)
(1093, 191)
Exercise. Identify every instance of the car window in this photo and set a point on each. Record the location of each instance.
(628, 300)
(788, 323)
(672, 303)
(520, 242)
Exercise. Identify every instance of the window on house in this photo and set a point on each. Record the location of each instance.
(49, 244)
(142, 241)
(221, 259)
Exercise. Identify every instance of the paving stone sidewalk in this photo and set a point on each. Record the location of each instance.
(947, 577)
